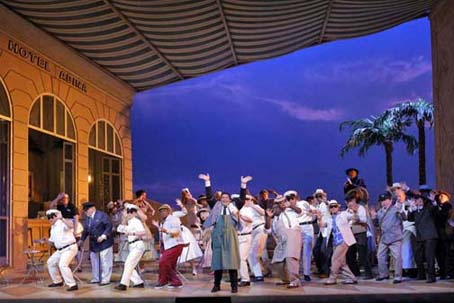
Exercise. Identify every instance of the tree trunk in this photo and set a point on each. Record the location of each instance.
(422, 152)
(389, 163)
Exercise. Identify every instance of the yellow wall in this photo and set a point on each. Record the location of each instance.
(27, 74)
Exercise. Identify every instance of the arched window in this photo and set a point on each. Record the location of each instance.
(105, 164)
(51, 153)
(5, 108)
(104, 137)
(51, 116)
(5, 169)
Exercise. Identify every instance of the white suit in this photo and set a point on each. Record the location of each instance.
(136, 251)
(63, 238)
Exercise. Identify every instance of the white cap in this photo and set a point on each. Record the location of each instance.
(396, 185)
(333, 202)
(131, 206)
(52, 211)
(234, 196)
(290, 192)
(279, 199)
(319, 191)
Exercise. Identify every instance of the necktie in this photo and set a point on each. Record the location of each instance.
(224, 212)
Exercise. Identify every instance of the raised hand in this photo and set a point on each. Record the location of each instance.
(204, 177)
(155, 223)
(269, 212)
(179, 203)
(246, 179)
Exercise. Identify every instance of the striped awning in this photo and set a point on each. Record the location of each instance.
(149, 43)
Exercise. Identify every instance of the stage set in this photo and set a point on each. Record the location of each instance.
(69, 71)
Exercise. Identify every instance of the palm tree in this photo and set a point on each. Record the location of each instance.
(383, 130)
(421, 112)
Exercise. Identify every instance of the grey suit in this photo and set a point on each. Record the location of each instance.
(390, 222)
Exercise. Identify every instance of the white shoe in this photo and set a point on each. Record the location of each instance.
(174, 286)
(194, 272)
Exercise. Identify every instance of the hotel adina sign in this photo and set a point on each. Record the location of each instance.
(44, 64)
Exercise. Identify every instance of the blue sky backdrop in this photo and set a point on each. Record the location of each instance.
(278, 120)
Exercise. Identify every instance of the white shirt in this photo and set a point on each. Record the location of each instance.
(246, 227)
(257, 218)
(134, 226)
(173, 225)
(61, 235)
(231, 209)
(290, 218)
(362, 218)
(305, 215)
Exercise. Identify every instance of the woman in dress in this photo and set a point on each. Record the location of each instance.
(146, 213)
(191, 251)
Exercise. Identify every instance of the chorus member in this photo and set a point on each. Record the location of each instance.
(132, 226)
(98, 228)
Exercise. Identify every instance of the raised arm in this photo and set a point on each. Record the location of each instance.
(209, 193)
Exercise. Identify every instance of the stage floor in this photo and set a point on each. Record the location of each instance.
(197, 289)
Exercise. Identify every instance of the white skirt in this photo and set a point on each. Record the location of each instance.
(192, 249)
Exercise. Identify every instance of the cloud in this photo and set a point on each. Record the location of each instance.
(231, 88)
(371, 70)
(304, 113)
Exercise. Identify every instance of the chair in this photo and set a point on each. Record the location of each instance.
(35, 255)
(3, 280)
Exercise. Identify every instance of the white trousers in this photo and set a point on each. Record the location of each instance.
(245, 246)
(307, 236)
(257, 248)
(106, 258)
(130, 273)
(58, 265)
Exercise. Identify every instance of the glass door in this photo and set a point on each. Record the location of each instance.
(4, 190)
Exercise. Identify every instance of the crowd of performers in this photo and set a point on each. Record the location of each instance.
(247, 236)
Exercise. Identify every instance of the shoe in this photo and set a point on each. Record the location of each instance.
(170, 286)
(244, 283)
(433, 280)
(216, 289)
(282, 283)
(268, 275)
(159, 286)
(194, 272)
(292, 285)
(104, 283)
(323, 276)
(397, 281)
(93, 282)
(420, 278)
(234, 290)
(330, 282)
(121, 287)
(307, 278)
(141, 285)
(349, 282)
(72, 288)
(55, 285)
(258, 279)
(382, 278)
(79, 270)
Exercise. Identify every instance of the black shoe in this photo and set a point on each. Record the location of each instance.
(382, 278)
(268, 274)
(216, 289)
(141, 285)
(104, 284)
(307, 278)
(121, 287)
(433, 280)
(397, 281)
(72, 288)
(257, 279)
(420, 278)
(244, 283)
(349, 282)
(55, 284)
(159, 286)
(234, 290)
(282, 283)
